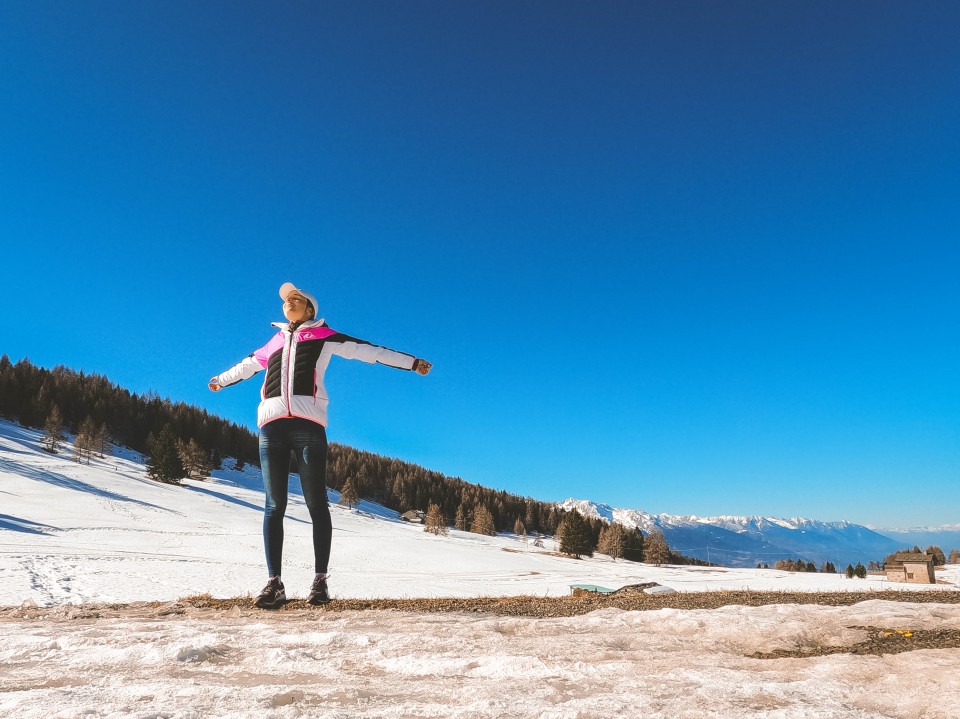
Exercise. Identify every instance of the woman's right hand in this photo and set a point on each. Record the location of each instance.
(214, 385)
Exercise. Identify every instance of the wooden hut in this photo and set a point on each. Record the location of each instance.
(414, 515)
(911, 567)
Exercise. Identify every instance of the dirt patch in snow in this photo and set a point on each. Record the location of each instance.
(880, 641)
(521, 606)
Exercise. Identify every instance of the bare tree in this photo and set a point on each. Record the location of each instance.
(612, 540)
(435, 522)
(85, 441)
(194, 459)
(53, 431)
(102, 440)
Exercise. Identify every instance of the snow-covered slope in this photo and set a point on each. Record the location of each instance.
(744, 541)
(73, 533)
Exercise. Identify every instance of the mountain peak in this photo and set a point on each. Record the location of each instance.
(737, 540)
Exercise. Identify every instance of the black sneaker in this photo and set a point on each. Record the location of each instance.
(272, 596)
(318, 592)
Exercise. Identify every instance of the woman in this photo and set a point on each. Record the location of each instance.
(292, 416)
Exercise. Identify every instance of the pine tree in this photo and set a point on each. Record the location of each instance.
(860, 571)
(530, 515)
(53, 431)
(575, 538)
(519, 529)
(612, 541)
(348, 494)
(633, 545)
(849, 571)
(164, 464)
(483, 522)
(435, 522)
(102, 440)
(460, 521)
(656, 550)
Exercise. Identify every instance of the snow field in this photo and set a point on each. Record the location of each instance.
(103, 532)
(666, 663)
(73, 534)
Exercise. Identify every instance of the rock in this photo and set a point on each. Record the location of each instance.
(659, 589)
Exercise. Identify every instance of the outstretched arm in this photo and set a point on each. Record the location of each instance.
(244, 369)
(353, 348)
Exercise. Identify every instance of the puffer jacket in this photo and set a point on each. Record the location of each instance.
(295, 362)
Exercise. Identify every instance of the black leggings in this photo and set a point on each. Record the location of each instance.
(308, 441)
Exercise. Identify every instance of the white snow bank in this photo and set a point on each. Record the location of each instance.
(667, 663)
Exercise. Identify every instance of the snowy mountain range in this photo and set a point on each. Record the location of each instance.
(743, 541)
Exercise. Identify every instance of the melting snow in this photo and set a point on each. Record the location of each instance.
(71, 534)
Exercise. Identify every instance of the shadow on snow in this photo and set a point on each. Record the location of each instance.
(62, 480)
(23, 525)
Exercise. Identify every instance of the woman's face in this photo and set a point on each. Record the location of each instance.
(296, 309)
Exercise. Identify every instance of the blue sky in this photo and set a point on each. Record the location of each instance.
(687, 257)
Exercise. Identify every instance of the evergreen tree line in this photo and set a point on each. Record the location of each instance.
(182, 440)
(451, 501)
(29, 394)
(800, 565)
(403, 486)
(859, 571)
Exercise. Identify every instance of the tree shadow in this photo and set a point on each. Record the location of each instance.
(238, 502)
(62, 480)
(24, 525)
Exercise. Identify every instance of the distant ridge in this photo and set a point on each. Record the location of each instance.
(744, 541)
(947, 537)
